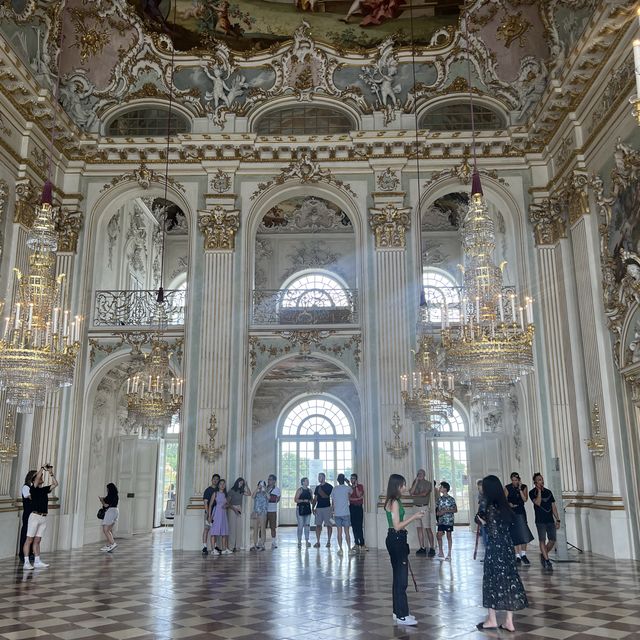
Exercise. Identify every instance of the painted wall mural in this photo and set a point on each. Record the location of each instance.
(253, 25)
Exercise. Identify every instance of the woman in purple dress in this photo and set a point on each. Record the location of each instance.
(219, 520)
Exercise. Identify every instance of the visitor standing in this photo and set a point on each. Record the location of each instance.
(421, 490)
(234, 513)
(259, 516)
(517, 494)
(547, 518)
(38, 517)
(27, 508)
(502, 589)
(445, 509)
(303, 499)
(398, 548)
(208, 494)
(110, 505)
(219, 520)
(356, 512)
(340, 507)
(322, 508)
(273, 495)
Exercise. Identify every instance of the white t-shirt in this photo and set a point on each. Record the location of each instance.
(340, 496)
(272, 507)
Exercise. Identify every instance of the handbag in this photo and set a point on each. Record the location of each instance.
(101, 512)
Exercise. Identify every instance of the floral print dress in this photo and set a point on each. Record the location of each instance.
(502, 588)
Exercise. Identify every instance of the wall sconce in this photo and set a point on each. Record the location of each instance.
(596, 443)
(397, 448)
(210, 451)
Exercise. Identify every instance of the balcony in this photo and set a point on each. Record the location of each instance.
(137, 308)
(304, 307)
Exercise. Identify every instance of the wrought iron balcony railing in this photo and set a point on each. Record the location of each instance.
(304, 306)
(137, 308)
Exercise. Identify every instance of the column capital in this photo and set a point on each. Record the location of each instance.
(68, 223)
(548, 221)
(390, 225)
(577, 195)
(219, 226)
(25, 205)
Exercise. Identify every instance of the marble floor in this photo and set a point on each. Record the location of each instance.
(144, 590)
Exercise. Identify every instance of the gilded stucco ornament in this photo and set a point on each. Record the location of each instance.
(68, 225)
(306, 171)
(548, 221)
(26, 201)
(390, 225)
(144, 176)
(219, 227)
(513, 27)
(225, 87)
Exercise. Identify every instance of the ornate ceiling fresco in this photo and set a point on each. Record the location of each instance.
(119, 51)
(255, 25)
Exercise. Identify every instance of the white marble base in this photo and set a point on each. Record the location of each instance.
(10, 524)
(601, 531)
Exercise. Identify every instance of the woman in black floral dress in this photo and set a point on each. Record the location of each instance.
(502, 589)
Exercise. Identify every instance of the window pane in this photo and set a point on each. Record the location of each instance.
(147, 122)
(315, 290)
(440, 291)
(457, 117)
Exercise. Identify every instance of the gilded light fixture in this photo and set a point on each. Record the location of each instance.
(492, 345)
(209, 450)
(397, 449)
(40, 340)
(8, 445)
(596, 443)
(427, 392)
(154, 395)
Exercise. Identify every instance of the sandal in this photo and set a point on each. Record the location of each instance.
(480, 627)
(505, 629)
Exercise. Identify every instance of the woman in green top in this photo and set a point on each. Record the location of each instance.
(398, 548)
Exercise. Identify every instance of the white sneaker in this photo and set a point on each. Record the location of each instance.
(105, 548)
(408, 621)
(38, 564)
(274, 545)
(112, 547)
(408, 617)
(27, 566)
(227, 552)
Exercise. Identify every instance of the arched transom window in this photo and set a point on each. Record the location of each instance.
(315, 290)
(441, 293)
(316, 436)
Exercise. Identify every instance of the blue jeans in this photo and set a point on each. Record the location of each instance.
(303, 525)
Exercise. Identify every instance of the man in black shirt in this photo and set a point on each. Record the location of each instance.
(38, 518)
(322, 508)
(26, 511)
(209, 492)
(547, 519)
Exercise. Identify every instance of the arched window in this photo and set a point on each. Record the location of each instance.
(451, 461)
(457, 117)
(177, 303)
(315, 298)
(147, 121)
(441, 291)
(316, 435)
(303, 120)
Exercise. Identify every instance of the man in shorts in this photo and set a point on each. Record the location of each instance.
(421, 490)
(547, 518)
(322, 508)
(273, 497)
(38, 518)
(340, 501)
(209, 492)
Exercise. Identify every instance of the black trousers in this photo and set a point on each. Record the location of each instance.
(356, 514)
(399, 554)
(23, 534)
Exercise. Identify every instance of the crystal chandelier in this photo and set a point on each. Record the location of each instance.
(427, 393)
(492, 346)
(154, 395)
(39, 342)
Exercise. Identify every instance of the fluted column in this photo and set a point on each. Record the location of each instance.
(390, 221)
(218, 224)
